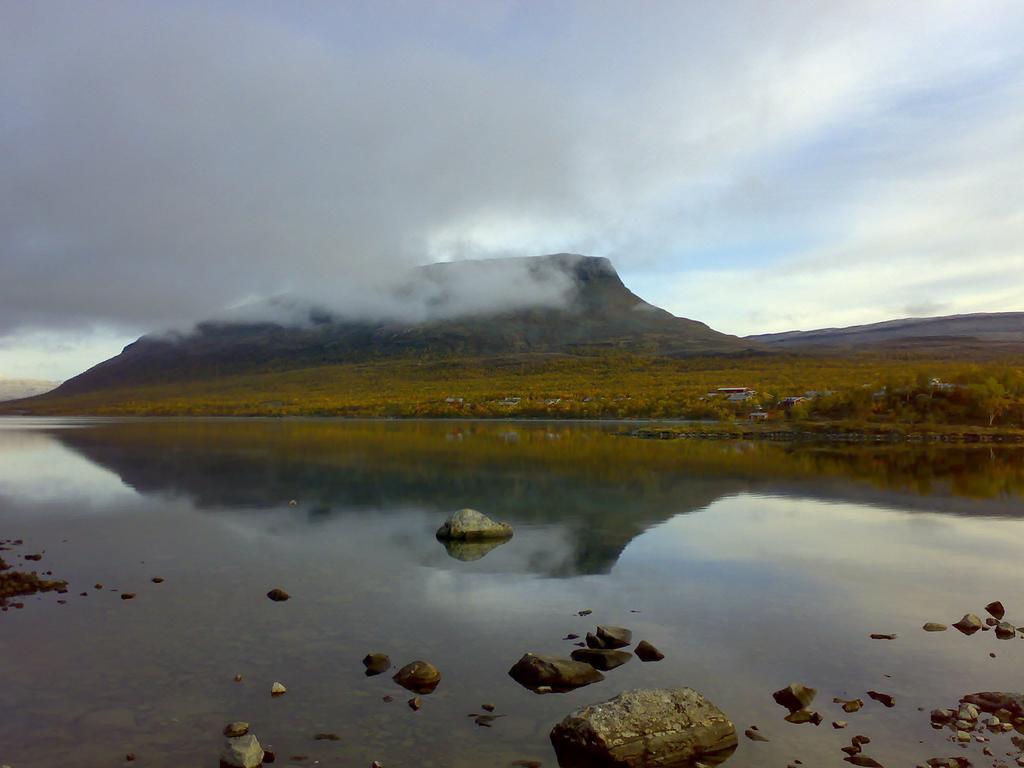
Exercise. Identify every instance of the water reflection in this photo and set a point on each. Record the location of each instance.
(749, 566)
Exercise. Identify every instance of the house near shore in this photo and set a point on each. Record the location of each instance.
(736, 394)
(759, 416)
(789, 402)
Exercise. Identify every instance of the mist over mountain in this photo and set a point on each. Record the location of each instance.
(15, 389)
(555, 304)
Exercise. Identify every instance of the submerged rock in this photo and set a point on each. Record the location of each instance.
(647, 652)
(241, 752)
(468, 524)
(883, 698)
(601, 658)
(795, 696)
(548, 674)
(238, 728)
(418, 677)
(934, 626)
(376, 663)
(661, 728)
(993, 701)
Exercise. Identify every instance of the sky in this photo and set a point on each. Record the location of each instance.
(758, 166)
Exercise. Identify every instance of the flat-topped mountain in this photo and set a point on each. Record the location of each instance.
(997, 332)
(566, 304)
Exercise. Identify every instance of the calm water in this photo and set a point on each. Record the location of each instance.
(749, 566)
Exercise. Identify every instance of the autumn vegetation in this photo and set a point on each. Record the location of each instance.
(863, 389)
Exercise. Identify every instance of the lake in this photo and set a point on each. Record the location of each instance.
(749, 565)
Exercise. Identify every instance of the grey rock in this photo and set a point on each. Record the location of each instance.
(548, 674)
(241, 752)
(647, 652)
(239, 728)
(614, 637)
(376, 663)
(660, 728)
(468, 524)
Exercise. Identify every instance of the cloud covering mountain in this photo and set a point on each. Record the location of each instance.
(759, 166)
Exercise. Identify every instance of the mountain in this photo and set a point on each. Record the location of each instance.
(594, 312)
(992, 333)
(15, 389)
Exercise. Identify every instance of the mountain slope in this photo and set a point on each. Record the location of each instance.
(598, 313)
(1000, 332)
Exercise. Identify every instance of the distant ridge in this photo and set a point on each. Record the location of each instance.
(599, 314)
(996, 332)
(15, 389)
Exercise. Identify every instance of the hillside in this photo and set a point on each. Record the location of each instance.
(989, 333)
(598, 314)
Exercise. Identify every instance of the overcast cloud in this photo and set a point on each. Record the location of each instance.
(759, 166)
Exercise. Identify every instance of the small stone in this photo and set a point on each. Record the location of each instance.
(1005, 630)
(376, 764)
(327, 737)
(571, 636)
(242, 752)
(647, 652)
(614, 637)
(963, 736)
(387, 699)
(418, 677)
(293, 503)
(934, 626)
(838, 724)
(130, 757)
(278, 595)
(376, 663)
(487, 707)
(795, 696)
(415, 703)
(802, 716)
(277, 689)
(157, 579)
(969, 624)
(996, 609)
(238, 678)
(238, 728)
(849, 705)
(127, 595)
(586, 612)
(883, 698)
(880, 636)
(468, 525)
(754, 735)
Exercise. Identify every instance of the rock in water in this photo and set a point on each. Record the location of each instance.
(661, 728)
(277, 689)
(647, 652)
(242, 752)
(547, 674)
(614, 637)
(468, 524)
(238, 728)
(601, 658)
(376, 663)
(996, 609)
(934, 626)
(795, 696)
(969, 624)
(1005, 630)
(418, 677)
(993, 701)
(278, 595)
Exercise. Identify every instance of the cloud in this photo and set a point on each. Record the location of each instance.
(795, 163)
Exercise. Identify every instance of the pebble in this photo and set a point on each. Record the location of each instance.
(883, 698)
(127, 595)
(277, 689)
(237, 728)
(278, 595)
(996, 609)
(933, 626)
(415, 703)
(881, 636)
(754, 735)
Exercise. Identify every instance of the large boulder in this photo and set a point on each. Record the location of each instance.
(660, 728)
(548, 674)
(468, 525)
(241, 752)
